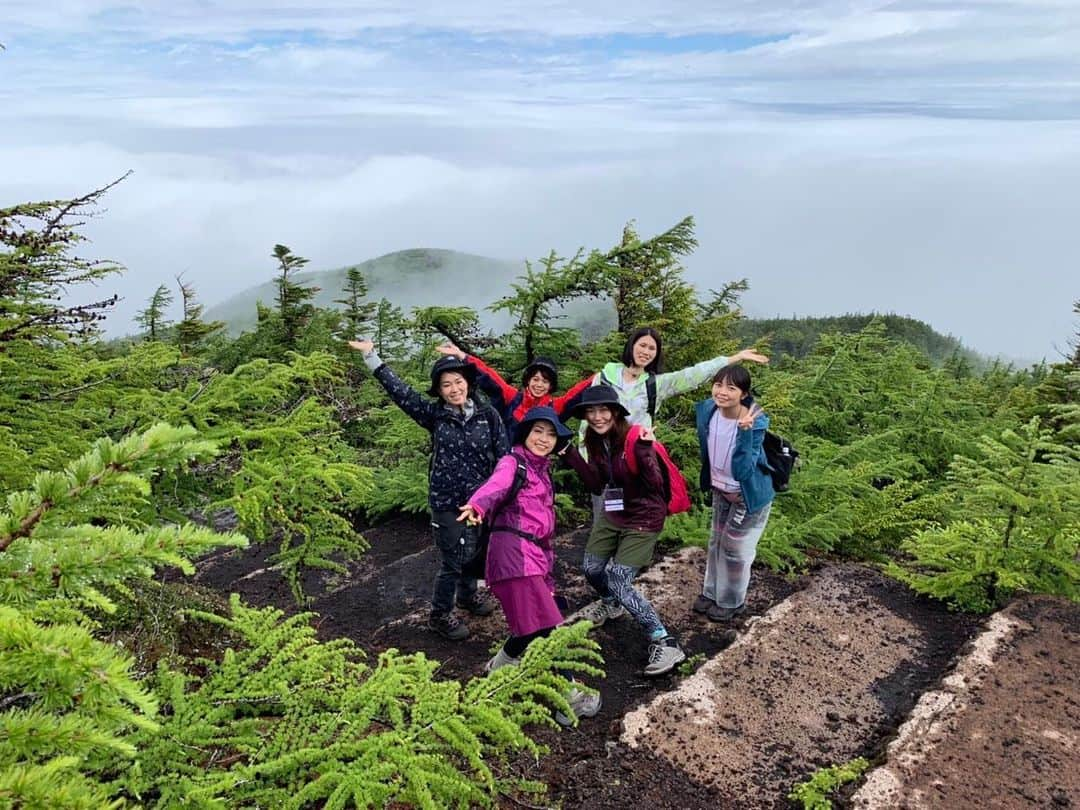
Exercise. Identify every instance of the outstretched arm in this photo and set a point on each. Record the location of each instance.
(493, 492)
(568, 400)
(415, 404)
(689, 378)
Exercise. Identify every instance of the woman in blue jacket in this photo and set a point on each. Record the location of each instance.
(731, 430)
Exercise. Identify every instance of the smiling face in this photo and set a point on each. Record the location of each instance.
(727, 395)
(600, 418)
(541, 439)
(453, 388)
(643, 351)
(538, 385)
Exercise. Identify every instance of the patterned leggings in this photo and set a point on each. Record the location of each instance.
(614, 582)
(732, 548)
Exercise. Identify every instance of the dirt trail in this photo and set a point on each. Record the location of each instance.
(1003, 730)
(825, 667)
(818, 680)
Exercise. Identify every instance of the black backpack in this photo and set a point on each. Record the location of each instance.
(782, 458)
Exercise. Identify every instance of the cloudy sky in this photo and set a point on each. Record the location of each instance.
(915, 156)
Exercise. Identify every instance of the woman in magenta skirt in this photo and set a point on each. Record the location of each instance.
(520, 557)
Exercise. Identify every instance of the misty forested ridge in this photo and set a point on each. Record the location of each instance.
(123, 684)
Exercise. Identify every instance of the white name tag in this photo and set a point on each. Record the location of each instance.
(613, 499)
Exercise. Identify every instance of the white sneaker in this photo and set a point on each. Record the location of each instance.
(664, 656)
(583, 704)
(600, 611)
(501, 660)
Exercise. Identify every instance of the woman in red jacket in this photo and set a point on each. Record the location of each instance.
(538, 384)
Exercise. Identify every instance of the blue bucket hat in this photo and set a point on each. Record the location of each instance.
(543, 413)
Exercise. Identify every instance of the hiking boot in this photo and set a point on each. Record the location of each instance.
(600, 611)
(448, 626)
(479, 605)
(664, 655)
(723, 614)
(501, 660)
(702, 604)
(582, 704)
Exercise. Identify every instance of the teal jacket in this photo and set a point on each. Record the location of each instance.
(748, 464)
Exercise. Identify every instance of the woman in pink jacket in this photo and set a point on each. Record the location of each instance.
(518, 504)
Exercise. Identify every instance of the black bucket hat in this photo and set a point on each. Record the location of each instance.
(543, 413)
(599, 395)
(541, 364)
(445, 364)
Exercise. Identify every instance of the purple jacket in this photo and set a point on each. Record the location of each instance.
(533, 511)
(643, 494)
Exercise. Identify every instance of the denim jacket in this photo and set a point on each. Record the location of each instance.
(748, 464)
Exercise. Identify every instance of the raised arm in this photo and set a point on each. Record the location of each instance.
(415, 404)
(568, 400)
(648, 463)
(689, 378)
(487, 378)
(748, 447)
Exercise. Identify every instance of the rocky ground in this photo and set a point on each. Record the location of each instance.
(842, 662)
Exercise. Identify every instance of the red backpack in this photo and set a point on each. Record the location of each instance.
(675, 490)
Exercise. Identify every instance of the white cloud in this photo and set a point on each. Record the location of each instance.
(904, 155)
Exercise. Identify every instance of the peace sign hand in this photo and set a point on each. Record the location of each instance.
(746, 421)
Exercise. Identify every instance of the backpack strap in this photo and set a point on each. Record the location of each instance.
(514, 404)
(520, 477)
(628, 448)
(521, 474)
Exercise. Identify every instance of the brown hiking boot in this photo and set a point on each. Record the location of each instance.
(448, 626)
(479, 605)
(702, 604)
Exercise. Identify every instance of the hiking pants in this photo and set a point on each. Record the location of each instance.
(732, 548)
(457, 544)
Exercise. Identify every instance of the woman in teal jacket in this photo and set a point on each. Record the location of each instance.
(731, 431)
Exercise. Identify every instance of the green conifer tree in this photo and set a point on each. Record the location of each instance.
(647, 275)
(192, 330)
(1017, 525)
(153, 319)
(359, 312)
(67, 544)
(293, 300)
(389, 330)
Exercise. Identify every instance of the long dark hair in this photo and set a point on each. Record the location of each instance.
(594, 442)
(628, 349)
